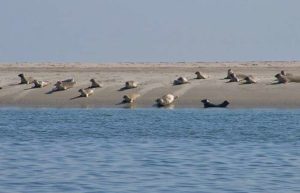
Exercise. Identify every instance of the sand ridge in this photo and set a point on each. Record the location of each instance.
(155, 81)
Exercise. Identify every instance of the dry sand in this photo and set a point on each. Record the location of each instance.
(155, 80)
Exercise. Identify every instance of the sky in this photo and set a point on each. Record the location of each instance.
(149, 30)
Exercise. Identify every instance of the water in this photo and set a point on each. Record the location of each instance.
(149, 150)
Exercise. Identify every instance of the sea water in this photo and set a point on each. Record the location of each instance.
(149, 150)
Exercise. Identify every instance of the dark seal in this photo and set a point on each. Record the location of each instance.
(208, 104)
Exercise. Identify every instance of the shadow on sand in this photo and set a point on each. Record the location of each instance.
(274, 83)
(124, 88)
(77, 97)
(33, 87)
(53, 90)
(16, 84)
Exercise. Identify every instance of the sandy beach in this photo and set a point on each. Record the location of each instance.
(155, 80)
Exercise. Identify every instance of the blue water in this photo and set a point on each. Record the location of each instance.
(149, 150)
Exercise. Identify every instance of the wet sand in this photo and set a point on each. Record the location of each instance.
(155, 80)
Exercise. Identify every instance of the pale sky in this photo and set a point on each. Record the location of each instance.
(149, 30)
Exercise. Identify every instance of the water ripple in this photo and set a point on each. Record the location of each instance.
(149, 150)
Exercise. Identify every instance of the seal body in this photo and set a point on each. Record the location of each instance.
(131, 84)
(241, 76)
(250, 80)
(208, 104)
(40, 84)
(130, 98)
(234, 78)
(61, 85)
(25, 80)
(86, 92)
(95, 84)
(166, 100)
(229, 72)
(201, 75)
(181, 80)
(282, 78)
(287, 77)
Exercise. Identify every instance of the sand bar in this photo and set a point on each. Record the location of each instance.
(155, 80)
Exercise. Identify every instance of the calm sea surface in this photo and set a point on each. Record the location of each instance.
(149, 150)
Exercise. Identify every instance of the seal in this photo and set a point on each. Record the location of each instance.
(239, 75)
(95, 84)
(61, 85)
(166, 100)
(281, 78)
(242, 76)
(25, 80)
(86, 92)
(180, 80)
(233, 78)
(40, 84)
(130, 98)
(250, 80)
(208, 104)
(201, 75)
(229, 72)
(287, 78)
(131, 84)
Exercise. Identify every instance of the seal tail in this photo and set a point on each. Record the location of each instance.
(224, 104)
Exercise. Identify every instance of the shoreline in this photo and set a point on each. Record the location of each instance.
(3, 107)
(155, 80)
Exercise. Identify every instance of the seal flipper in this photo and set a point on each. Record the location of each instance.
(224, 104)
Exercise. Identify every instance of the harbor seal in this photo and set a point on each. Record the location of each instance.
(61, 85)
(229, 72)
(201, 75)
(180, 80)
(166, 100)
(208, 104)
(233, 78)
(242, 76)
(95, 84)
(130, 98)
(238, 75)
(25, 80)
(86, 92)
(40, 84)
(281, 78)
(131, 84)
(250, 80)
(287, 78)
